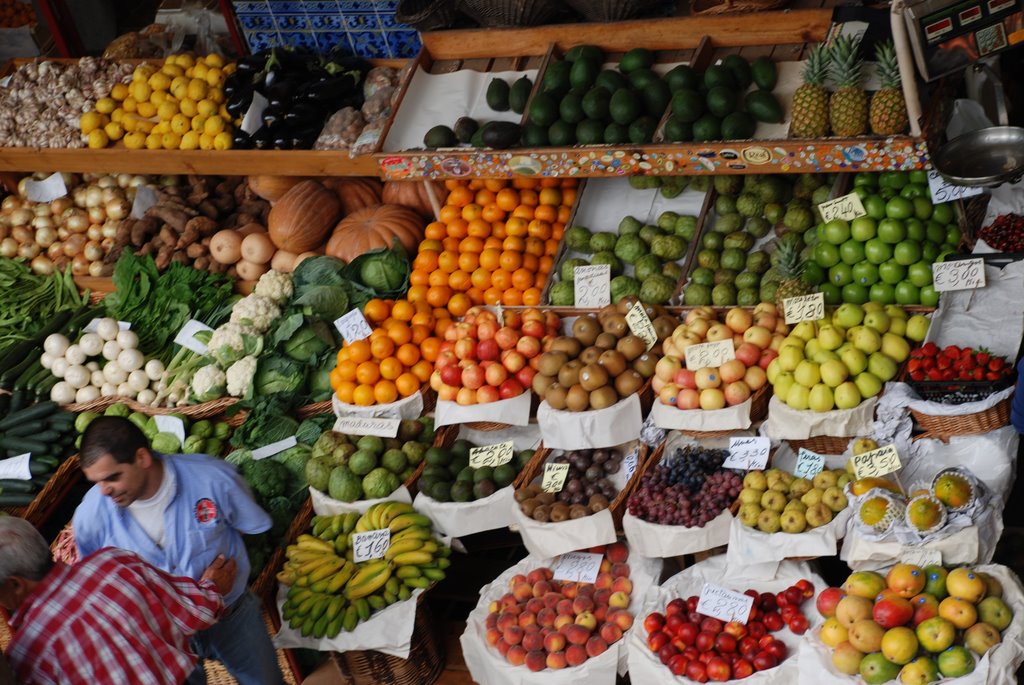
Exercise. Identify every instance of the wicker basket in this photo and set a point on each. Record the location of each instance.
(203, 410)
(822, 444)
(315, 409)
(509, 12)
(51, 495)
(265, 584)
(427, 15)
(707, 7)
(613, 10)
(965, 424)
(423, 667)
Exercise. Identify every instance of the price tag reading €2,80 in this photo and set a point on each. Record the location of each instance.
(804, 308)
(723, 604)
(877, 463)
(640, 325)
(492, 455)
(554, 477)
(959, 274)
(370, 545)
(808, 463)
(353, 326)
(577, 567)
(847, 208)
(591, 285)
(943, 191)
(748, 453)
(709, 355)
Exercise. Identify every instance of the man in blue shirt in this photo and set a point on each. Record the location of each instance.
(178, 512)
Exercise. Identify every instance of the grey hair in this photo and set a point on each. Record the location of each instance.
(23, 551)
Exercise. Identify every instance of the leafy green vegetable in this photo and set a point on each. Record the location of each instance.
(304, 343)
(312, 428)
(322, 290)
(295, 459)
(276, 374)
(30, 300)
(384, 271)
(267, 477)
(267, 422)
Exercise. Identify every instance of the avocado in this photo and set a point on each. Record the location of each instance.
(682, 76)
(462, 492)
(590, 132)
(441, 491)
(438, 456)
(721, 101)
(595, 103)
(483, 488)
(656, 97)
(483, 473)
(738, 126)
(556, 78)
(615, 134)
(611, 80)
(740, 69)
(465, 474)
(460, 448)
(591, 53)
(562, 134)
(708, 127)
(477, 139)
(583, 73)
(543, 109)
(764, 72)
(642, 130)
(435, 472)
(458, 463)
(637, 58)
(497, 95)
(504, 475)
(501, 135)
(464, 129)
(570, 109)
(641, 78)
(523, 458)
(535, 136)
(717, 75)
(624, 107)
(519, 93)
(687, 105)
(763, 106)
(440, 136)
(677, 130)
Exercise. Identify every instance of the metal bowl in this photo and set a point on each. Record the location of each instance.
(986, 157)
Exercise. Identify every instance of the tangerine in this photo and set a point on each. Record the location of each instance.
(385, 392)
(408, 354)
(391, 368)
(368, 373)
(344, 391)
(407, 384)
(359, 351)
(363, 395)
(381, 347)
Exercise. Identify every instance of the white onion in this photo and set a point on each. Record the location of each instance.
(41, 210)
(61, 205)
(29, 251)
(75, 354)
(75, 220)
(45, 236)
(146, 396)
(108, 390)
(91, 344)
(59, 366)
(130, 359)
(111, 194)
(8, 248)
(125, 390)
(94, 232)
(56, 345)
(106, 182)
(114, 373)
(87, 393)
(137, 181)
(92, 366)
(93, 196)
(77, 376)
(44, 222)
(97, 215)
(96, 269)
(111, 349)
(92, 251)
(109, 229)
(21, 217)
(128, 340)
(10, 203)
(118, 209)
(41, 264)
(97, 378)
(107, 329)
(62, 393)
(79, 196)
(154, 369)
(138, 380)
(46, 360)
(123, 180)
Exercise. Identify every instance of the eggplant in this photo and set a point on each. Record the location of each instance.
(303, 112)
(238, 105)
(329, 90)
(272, 116)
(241, 140)
(282, 141)
(263, 138)
(303, 138)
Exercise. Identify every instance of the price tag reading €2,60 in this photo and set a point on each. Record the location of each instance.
(847, 208)
(877, 463)
(804, 308)
(591, 285)
(709, 355)
(959, 274)
(723, 604)
(577, 567)
(748, 453)
(640, 325)
(370, 545)
(943, 191)
(492, 455)
(554, 477)
(808, 463)
(353, 326)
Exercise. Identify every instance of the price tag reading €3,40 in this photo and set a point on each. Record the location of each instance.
(640, 325)
(959, 274)
(577, 567)
(847, 208)
(709, 355)
(353, 326)
(808, 463)
(591, 285)
(725, 605)
(748, 453)
(804, 308)
(877, 463)
(492, 455)
(370, 545)
(554, 477)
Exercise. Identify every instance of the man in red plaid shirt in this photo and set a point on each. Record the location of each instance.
(110, 618)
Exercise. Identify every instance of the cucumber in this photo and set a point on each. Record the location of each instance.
(38, 377)
(13, 375)
(40, 467)
(29, 428)
(38, 410)
(5, 404)
(43, 389)
(16, 499)
(16, 485)
(21, 445)
(18, 400)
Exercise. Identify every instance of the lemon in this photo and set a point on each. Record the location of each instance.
(214, 60)
(188, 107)
(141, 91)
(217, 95)
(98, 139)
(130, 122)
(222, 141)
(190, 141)
(119, 92)
(90, 121)
(162, 127)
(115, 131)
(154, 141)
(214, 76)
(117, 115)
(146, 109)
(230, 69)
(197, 89)
(170, 140)
(180, 124)
(167, 110)
(199, 70)
(223, 112)
(105, 105)
(198, 123)
(142, 72)
(144, 125)
(213, 125)
(206, 142)
(185, 60)
(135, 140)
(130, 104)
(172, 70)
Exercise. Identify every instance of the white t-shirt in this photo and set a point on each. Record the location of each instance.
(150, 512)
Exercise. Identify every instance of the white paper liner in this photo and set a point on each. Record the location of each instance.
(575, 430)
(749, 546)
(486, 665)
(655, 540)
(786, 423)
(388, 631)
(728, 418)
(514, 411)
(410, 407)
(325, 505)
(522, 437)
(551, 539)
(465, 518)
(644, 665)
(997, 667)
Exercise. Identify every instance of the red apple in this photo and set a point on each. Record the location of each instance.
(528, 346)
(524, 376)
(654, 622)
(719, 670)
(488, 350)
(749, 354)
(705, 641)
(766, 358)
(506, 338)
(513, 360)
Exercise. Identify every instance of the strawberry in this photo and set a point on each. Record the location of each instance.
(993, 376)
(968, 364)
(966, 352)
(928, 363)
(917, 375)
(935, 375)
(982, 357)
(951, 351)
(996, 364)
(913, 365)
(978, 374)
(930, 349)
(944, 363)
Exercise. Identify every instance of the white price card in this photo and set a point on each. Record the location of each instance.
(353, 326)
(492, 455)
(944, 191)
(94, 325)
(640, 325)
(370, 545)
(709, 355)
(847, 208)
(591, 285)
(366, 425)
(959, 274)
(186, 337)
(145, 197)
(165, 423)
(47, 190)
(808, 463)
(578, 567)
(920, 556)
(274, 448)
(16, 468)
(723, 604)
(554, 477)
(629, 463)
(253, 119)
(877, 463)
(748, 453)
(804, 308)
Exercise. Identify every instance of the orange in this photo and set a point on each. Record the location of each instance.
(522, 279)
(407, 384)
(493, 243)
(481, 278)
(345, 370)
(441, 324)
(453, 183)
(507, 199)
(359, 351)
(510, 260)
(451, 243)
(408, 354)
(484, 197)
(449, 213)
(382, 347)
(492, 296)
(515, 243)
(438, 277)
(479, 228)
(490, 259)
(391, 368)
(494, 184)
(568, 196)
(420, 332)
(459, 228)
(368, 373)
(531, 297)
(335, 377)
(426, 260)
(472, 211)
(550, 182)
(550, 196)
(469, 261)
(345, 390)
(422, 370)
(418, 277)
(471, 244)
(516, 226)
(385, 392)
(546, 213)
(512, 297)
(539, 228)
(524, 182)
(448, 261)
(460, 196)
(423, 318)
(403, 310)
(564, 212)
(363, 395)
(399, 333)
(501, 279)
(493, 212)
(435, 245)
(376, 310)
(430, 348)
(418, 291)
(523, 211)
(459, 281)
(475, 184)
(475, 294)
(544, 267)
(459, 304)
(550, 247)
(541, 280)
(435, 230)
(535, 246)
(498, 229)
(557, 230)
(529, 198)
(531, 262)
(342, 355)
(438, 295)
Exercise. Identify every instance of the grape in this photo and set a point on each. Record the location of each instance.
(689, 488)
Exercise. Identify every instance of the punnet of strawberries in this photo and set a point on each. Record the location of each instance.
(940, 373)
(1005, 234)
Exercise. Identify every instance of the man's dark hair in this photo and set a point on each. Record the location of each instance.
(113, 435)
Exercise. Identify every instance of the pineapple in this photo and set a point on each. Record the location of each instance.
(810, 101)
(848, 106)
(888, 108)
(790, 267)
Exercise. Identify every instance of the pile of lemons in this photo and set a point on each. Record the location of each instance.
(177, 106)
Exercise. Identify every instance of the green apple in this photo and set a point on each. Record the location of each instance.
(833, 372)
(955, 662)
(981, 637)
(899, 645)
(867, 340)
(875, 669)
(807, 373)
(920, 671)
(821, 398)
(993, 611)
(894, 311)
(811, 497)
(878, 321)
(792, 341)
(896, 347)
(847, 396)
(898, 327)
(882, 366)
(848, 315)
(830, 337)
(873, 307)
(798, 396)
(935, 583)
(868, 384)
(784, 382)
(917, 327)
(855, 360)
(823, 356)
(790, 357)
(935, 634)
(812, 348)
(804, 330)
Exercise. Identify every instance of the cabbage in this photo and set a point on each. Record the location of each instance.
(383, 271)
(278, 374)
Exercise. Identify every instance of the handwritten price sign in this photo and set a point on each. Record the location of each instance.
(920, 556)
(359, 425)
(847, 208)
(591, 285)
(808, 463)
(492, 455)
(353, 326)
(960, 274)
(629, 463)
(709, 355)
(723, 604)
(877, 463)
(577, 567)
(640, 325)
(804, 308)
(554, 477)
(370, 545)
(943, 191)
(747, 453)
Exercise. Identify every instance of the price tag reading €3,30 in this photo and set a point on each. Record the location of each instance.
(959, 274)
(877, 463)
(640, 325)
(577, 567)
(804, 308)
(709, 355)
(492, 455)
(353, 326)
(748, 453)
(591, 285)
(725, 605)
(808, 463)
(847, 208)
(370, 545)
(554, 477)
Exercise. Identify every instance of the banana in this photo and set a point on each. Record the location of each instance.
(303, 555)
(418, 557)
(420, 582)
(297, 594)
(340, 544)
(367, 580)
(319, 585)
(412, 532)
(433, 574)
(363, 608)
(314, 543)
(338, 580)
(320, 524)
(376, 602)
(403, 572)
(335, 607)
(392, 585)
(407, 519)
(443, 562)
(404, 593)
(307, 568)
(334, 626)
(286, 577)
(349, 522)
(394, 510)
(390, 598)
(430, 546)
(402, 546)
(287, 611)
(331, 532)
(306, 606)
(320, 627)
(445, 551)
(363, 524)
(351, 619)
(320, 608)
(327, 570)
(307, 626)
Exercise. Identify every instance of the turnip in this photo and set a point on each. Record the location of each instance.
(62, 393)
(130, 359)
(75, 355)
(128, 340)
(107, 328)
(87, 393)
(55, 345)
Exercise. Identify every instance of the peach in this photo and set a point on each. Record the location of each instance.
(516, 655)
(562, 620)
(512, 635)
(551, 600)
(493, 636)
(577, 634)
(527, 618)
(491, 621)
(618, 600)
(569, 591)
(610, 632)
(536, 660)
(537, 575)
(582, 604)
(506, 620)
(600, 613)
(509, 600)
(622, 618)
(587, 620)
(596, 645)
(617, 552)
(494, 607)
(556, 660)
(604, 580)
(602, 596)
(535, 605)
(620, 570)
(546, 617)
(564, 606)
(606, 566)
(585, 590)
(575, 655)
(541, 588)
(622, 585)
(554, 642)
(533, 641)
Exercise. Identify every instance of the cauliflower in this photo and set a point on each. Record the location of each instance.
(239, 376)
(231, 342)
(274, 285)
(208, 384)
(255, 311)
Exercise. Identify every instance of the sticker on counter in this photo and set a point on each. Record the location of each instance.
(591, 285)
(723, 604)
(709, 355)
(804, 308)
(492, 455)
(370, 545)
(808, 463)
(640, 325)
(877, 463)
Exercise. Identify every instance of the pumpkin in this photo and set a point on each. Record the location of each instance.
(373, 227)
(355, 193)
(303, 217)
(414, 195)
(271, 188)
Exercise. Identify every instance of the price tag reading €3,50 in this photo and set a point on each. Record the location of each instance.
(640, 325)
(554, 477)
(353, 326)
(877, 463)
(808, 463)
(747, 453)
(709, 355)
(370, 545)
(591, 285)
(847, 208)
(723, 604)
(577, 567)
(959, 274)
(804, 308)
(492, 455)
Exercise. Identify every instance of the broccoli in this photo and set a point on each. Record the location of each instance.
(266, 477)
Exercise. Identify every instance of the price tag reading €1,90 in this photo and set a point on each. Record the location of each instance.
(804, 308)
(709, 355)
(492, 455)
(943, 191)
(959, 274)
(723, 604)
(591, 285)
(877, 463)
(353, 326)
(847, 208)
(640, 325)
(370, 545)
(554, 477)
(808, 463)
(748, 453)
(577, 567)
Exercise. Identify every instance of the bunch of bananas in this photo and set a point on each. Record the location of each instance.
(330, 593)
